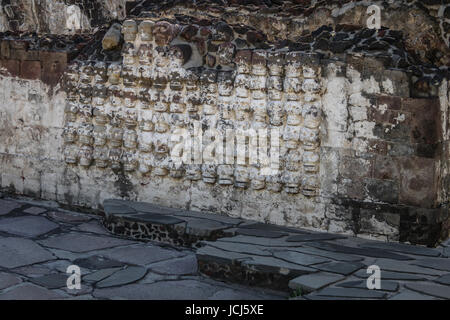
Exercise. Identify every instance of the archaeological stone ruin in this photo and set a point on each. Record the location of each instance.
(296, 113)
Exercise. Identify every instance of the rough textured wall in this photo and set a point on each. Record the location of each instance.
(363, 121)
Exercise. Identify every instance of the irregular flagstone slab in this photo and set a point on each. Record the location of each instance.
(178, 266)
(33, 271)
(239, 247)
(136, 206)
(434, 263)
(212, 254)
(314, 237)
(8, 280)
(446, 252)
(372, 252)
(164, 290)
(314, 281)
(400, 266)
(412, 295)
(362, 284)
(99, 275)
(270, 227)
(51, 281)
(209, 216)
(202, 227)
(328, 254)
(29, 291)
(299, 258)
(273, 265)
(18, 252)
(35, 210)
(266, 242)
(78, 242)
(155, 218)
(27, 226)
(69, 216)
(123, 277)
(92, 227)
(351, 293)
(6, 206)
(445, 279)
(344, 268)
(431, 289)
(97, 262)
(388, 275)
(113, 207)
(141, 255)
(404, 248)
(260, 233)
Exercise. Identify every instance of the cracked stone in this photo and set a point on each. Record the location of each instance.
(385, 285)
(35, 210)
(434, 263)
(411, 295)
(99, 275)
(344, 268)
(273, 265)
(68, 217)
(155, 218)
(6, 206)
(51, 281)
(314, 237)
(178, 266)
(239, 248)
(92, 227)
(314, 281)
(17, 252)
(123, 277)
(27, 226)
(29, 291)
(388, 275)
(328, 254)
(212, 254)
(202, 227)
(8, 280)
(97, 262)
(76, 242)
(141, 255)
(260, 233)
(445, 279)
(430, 289)
(396, 266)
(299, 258)
(404, 248)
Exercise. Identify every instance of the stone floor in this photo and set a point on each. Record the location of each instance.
(193, 254)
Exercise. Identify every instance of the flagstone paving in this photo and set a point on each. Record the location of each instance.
(145, 251)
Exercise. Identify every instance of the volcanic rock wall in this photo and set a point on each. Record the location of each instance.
(360, 122)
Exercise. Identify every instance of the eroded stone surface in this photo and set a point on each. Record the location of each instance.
(17, 252)
(27, 226)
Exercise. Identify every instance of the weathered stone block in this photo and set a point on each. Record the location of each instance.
(53, 66)
(12, 66)
(386, 168)
(30, 70)
(382, 190)
(425, 119)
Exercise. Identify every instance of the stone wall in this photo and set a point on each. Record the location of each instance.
(364, 140)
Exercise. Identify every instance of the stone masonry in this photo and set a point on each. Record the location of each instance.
(359, 117)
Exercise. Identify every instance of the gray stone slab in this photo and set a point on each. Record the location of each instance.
(266, 242)
(404, 248)
(239, 247)
(29, 291)
(209, 216)
(27, 226)
(18, 252)
(431, 289)
(212, 254)
(446, 252)
(35, 210)
(148, 207)
(68, 216)
(434, 263)
(234, 294)
(141, 255)
(402, 266)
(445, 279)
(299, 258)
(389, 275)
(92, 227)
(163, 290)
(274, 265)
(271, 227)
(366, 252)
(351, 293)
(51, 281)
(123, 277)
(260, 233)
(155, 218)
(116, 207)
(202, 227)
(314, 281)
(328, 254)
(78, 242)
(99, 275)
(314, 237)
(386, 285)
(412, 295)
(8, 280)
(97, 262)
(344, 268)
(179, 266)
(6, 206)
